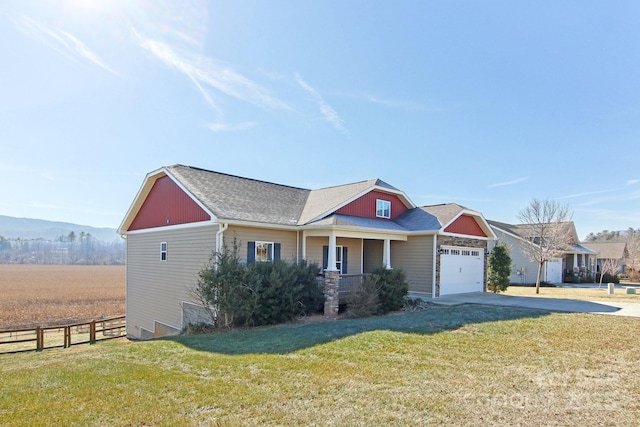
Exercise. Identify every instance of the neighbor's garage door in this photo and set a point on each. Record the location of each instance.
(461, 270)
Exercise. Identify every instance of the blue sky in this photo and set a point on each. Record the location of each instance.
(486, 104)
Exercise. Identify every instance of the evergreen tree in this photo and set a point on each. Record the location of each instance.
(499, 268)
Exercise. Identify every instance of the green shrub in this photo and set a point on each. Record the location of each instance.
(392, 288)
(364, 301)
(260, 293)
(285, 291)
(607, 278)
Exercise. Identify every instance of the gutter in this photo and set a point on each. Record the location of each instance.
(219, 237)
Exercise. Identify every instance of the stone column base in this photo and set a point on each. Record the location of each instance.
(331, 295)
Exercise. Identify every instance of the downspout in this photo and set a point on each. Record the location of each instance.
(219, 236)
(435, 256)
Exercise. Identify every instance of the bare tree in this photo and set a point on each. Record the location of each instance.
(548, 234)
(633, 251)
(608, 266)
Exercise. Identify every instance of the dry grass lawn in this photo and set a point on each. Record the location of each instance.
(462, 365)
(587, 294)
(32, 295)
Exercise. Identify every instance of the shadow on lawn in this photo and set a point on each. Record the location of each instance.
(282, 339)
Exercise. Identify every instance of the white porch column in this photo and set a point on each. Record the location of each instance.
(304, 246)
(575, 260)
(331, 256)
(386, 254)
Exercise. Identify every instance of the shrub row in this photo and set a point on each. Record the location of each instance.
(382, 292)
(260, 293)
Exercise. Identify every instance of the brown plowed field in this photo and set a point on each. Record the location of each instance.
(32, 295)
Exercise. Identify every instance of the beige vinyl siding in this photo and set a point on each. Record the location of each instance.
(314, 249)
(354, 251)
(155, 288)
(415, 257)
(354, 257)
(243, 235)
(519, 259)
(373, 253)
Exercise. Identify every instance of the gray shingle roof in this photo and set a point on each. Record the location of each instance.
(608, 250)
(236, 198)
(373, 223)
(233, 197)
(418, 220)
(444, 212)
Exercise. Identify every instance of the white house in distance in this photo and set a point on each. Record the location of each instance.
(182, 215)
(577, 259)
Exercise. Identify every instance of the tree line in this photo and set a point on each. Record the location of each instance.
(82, 249)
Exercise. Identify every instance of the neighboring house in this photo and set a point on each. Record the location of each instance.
(182, 215)
(577, 259)
(609, 250)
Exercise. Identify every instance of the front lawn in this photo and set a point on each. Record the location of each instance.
(587, 294)
(462, 365)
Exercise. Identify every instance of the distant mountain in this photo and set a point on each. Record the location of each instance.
(27, 228)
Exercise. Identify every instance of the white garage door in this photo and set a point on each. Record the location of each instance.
(554, 271)
(461, 270)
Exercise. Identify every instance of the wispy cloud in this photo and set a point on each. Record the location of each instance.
(205, 74)
(633, 181)
(614, 197)
(587, 193)
(62, 42)
(327, 111)
(230, 127)
(506, 183)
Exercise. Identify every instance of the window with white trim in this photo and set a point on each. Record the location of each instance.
(163, 251)
(339, 258)
(264, 251)
(383, 208)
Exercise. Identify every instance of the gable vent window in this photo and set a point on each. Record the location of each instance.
(383, 208)
(163, 251)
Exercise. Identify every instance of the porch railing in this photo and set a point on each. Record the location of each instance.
(350, 283)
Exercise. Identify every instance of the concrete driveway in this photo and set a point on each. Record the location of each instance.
(550, 304)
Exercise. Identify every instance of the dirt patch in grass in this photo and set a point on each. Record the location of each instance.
(32, 295)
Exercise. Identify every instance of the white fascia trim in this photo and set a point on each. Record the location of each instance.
(507, 232)
(359, 233)
(468, 236)
(486, 228)
(255, 224)
(144, 188)
(174, 227)
(195, 199)
(400, 194)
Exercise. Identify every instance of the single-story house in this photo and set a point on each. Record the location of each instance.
(576, 259)
(182, 215)
(616, 251)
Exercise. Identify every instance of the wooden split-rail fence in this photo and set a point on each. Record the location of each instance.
(42, 337)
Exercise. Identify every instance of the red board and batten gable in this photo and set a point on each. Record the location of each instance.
(167, 204)
(466, 224)
(365, 206)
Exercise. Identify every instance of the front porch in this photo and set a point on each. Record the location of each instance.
(347, 258)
